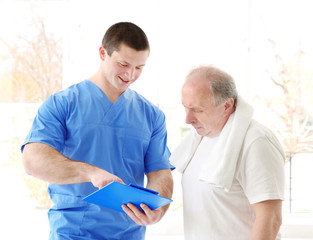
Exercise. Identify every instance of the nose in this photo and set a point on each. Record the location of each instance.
(189, 117)
(130, 73)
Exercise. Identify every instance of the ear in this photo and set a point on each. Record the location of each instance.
(229, 106)
(102, 53)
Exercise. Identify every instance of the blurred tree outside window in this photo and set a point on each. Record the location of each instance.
(292, 107)
(33, 65)
(31, 71)
(292, 116)
(281, 76)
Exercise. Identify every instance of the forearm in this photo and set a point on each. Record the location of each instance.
(162, 182)
(265, 231)
(268, 220)
(46, 163)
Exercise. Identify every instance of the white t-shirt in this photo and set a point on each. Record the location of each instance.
(211, 213)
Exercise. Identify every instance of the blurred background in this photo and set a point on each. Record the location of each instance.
(48, 45)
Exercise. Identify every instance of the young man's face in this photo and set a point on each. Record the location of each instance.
(124, 67)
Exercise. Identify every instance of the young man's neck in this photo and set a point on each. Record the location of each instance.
(108, 90)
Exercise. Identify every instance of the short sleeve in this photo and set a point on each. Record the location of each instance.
(157, 155)
(262, 172)
(49, 125)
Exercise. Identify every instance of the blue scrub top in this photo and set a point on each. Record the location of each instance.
(127, 138)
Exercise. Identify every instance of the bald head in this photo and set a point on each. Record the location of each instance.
(209, 96)
(197, 81)
(197, 88)
(219, 84)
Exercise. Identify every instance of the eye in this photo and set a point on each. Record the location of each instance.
(123, 64)
(197, 110)
(140, 67)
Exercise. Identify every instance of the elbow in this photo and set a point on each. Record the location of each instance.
(27, 161)
(27, 164)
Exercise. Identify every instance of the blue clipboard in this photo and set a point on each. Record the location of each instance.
(115, 194)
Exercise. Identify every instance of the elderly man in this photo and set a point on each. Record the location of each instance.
(233, 167)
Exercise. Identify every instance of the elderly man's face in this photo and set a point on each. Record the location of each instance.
(207, 119)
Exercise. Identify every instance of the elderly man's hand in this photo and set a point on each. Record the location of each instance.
(144, 218)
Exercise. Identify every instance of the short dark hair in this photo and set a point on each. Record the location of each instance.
(127, 33)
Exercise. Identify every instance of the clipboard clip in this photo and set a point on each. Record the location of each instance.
(144, 189)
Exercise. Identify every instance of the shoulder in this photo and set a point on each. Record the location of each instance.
(261, 137)
(60, 101)
(261, 165)
(73, 90)
(146, 113)
(257, 130)
(145, 104)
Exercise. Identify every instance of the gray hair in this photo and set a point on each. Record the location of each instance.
(221, 84)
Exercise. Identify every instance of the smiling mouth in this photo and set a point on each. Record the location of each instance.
(123, 80)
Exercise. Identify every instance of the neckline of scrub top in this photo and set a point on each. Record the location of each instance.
(113, 108)
(126, 94)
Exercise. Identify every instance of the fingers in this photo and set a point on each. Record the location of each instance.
(119, 180)
(145, 217)
(146, 209)
(132, 211)
(108, 180)
(100, 177)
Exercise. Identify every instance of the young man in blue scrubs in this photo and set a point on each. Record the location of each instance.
(97, 131)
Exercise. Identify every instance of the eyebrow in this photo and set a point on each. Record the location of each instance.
(193, 107)
(142, 65)
(127, 63)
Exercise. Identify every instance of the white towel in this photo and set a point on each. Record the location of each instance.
(220, 169)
